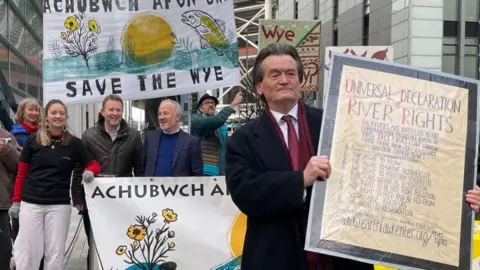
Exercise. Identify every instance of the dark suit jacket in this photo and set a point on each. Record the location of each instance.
(187, 160)
(264, 187)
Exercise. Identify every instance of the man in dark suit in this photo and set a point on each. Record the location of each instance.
(271, 166)
(171, 151)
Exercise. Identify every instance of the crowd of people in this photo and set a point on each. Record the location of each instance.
(42, 163)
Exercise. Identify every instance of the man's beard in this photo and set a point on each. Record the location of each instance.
(210, 112)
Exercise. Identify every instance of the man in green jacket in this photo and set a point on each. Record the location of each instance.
(212, 131)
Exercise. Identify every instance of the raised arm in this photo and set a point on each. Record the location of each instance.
(202, 125)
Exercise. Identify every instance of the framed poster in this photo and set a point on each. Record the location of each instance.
(402, 143)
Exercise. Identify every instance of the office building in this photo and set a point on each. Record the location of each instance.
(21, 45)
(440, 35)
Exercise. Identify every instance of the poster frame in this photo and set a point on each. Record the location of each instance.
(315, 244)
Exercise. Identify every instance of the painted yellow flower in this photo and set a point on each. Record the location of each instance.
(137, 232)
(171, 234)
(93, 26)
(121, 250)
(71, 23)
(171, 245)
(135, 244)
(63, 35)
(169, 215)
(154, 214)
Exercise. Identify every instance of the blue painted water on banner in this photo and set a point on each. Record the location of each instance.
(115, 62)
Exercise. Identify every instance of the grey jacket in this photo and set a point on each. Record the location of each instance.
(9, 158)
(120, 157)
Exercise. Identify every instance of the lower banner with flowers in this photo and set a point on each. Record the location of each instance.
(165, 223)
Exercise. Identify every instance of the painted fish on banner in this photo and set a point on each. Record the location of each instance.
(137, 49)
(165, 223)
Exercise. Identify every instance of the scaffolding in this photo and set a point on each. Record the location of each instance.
(247, 16)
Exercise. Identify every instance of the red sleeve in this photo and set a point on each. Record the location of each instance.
(93, 166)
(19, 181)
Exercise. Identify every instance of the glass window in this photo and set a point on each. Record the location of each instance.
(40, 56)
(32, 49)
(40, 28)
(17, 72)
(471, 29)
(33, 90)
(17, 32)
(21, 5)
(450, 29)
(32, 17)
(3, 18)
(40, 83)
(33, 79)
(4, 61)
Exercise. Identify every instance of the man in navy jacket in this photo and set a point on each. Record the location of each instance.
(170, 151)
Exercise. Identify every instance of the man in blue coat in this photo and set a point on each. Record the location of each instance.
(170, 151)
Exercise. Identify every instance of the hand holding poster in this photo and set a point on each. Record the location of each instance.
(165, 223)
(137, 49)
(402, 144)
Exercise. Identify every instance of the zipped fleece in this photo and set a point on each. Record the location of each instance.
(119, 157)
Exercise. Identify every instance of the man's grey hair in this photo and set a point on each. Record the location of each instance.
(178, 108)
(275, 49)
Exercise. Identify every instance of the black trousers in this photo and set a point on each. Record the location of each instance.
(86, 226)
(5, 240)
(15, 228)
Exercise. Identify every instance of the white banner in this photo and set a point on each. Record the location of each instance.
(165, 223)
(374, 52)
(137, 49)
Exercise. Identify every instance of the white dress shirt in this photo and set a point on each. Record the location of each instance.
(283, 125)
(284, 128)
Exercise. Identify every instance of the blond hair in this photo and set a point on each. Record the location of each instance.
(22, 106)
(44, 136)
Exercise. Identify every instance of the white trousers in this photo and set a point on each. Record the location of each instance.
(43, 232)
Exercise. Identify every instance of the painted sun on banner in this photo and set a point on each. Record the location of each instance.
(137, 49)
(165, 223)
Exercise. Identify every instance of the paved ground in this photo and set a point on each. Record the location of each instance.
(78, 255)
(77, 258)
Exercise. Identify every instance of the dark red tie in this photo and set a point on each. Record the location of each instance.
(292, 143)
